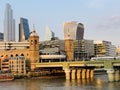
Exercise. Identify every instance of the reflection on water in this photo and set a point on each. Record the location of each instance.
(100, 82)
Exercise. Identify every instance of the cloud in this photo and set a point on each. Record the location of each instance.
(109, 23)
(96, 3)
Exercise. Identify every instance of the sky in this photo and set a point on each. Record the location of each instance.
(101, 18)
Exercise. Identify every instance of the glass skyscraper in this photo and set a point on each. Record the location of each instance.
(24, 31)
(9, 24)
(74, 29)
(49, 34)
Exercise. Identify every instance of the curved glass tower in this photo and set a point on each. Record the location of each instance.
(74, 29)
(24, 31)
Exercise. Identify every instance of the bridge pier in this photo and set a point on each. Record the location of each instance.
(87, 73)
(67, 74)
(73, 74)
(91, 73)
(117, 75)
(110, 73)
(83, 73)
(78, 73)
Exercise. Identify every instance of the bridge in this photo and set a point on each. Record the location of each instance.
(84, 69)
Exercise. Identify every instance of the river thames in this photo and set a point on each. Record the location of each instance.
(100, 82)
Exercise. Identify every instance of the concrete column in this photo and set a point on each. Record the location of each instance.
(91, 73)
(83, 73)
(73, 74)
(117, 75)
(110, 73)
(67, 74)
(87, 73)
(78, 73)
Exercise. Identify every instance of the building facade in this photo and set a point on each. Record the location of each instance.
(75, 29)
(118, 51)
(83, 49)
(24, 31)
(49, 34)
(9, 24)
(19, 60)
(104, 48)
(1, 36)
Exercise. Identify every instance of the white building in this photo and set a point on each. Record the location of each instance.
(49, 34)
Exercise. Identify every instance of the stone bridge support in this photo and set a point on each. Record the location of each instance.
(73, 74)
(83, 73)
(110, 73)
(67, 74)
(88, 73)
(117, 75)
(91, 73)
(78, 74)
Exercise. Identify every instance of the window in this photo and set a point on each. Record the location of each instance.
(35, 41)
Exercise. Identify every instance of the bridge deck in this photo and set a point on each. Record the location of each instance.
(107, 64)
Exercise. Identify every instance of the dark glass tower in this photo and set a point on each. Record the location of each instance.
(24, 31)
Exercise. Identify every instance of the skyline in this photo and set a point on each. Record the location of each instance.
(96, 15)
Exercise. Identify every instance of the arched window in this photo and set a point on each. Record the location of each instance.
(31, 42)
(22, 56)
(35, 41)
(11, 56)
(17, 57)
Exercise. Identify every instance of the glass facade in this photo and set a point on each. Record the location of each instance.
(83, 49)
(104, 48)
(74, 29)
(9, 24)
(1, 36)
(49, 34)
(24, 31)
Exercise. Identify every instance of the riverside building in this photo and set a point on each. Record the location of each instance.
(18, 57)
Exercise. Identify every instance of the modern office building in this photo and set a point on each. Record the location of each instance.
(83, 49)
(9, 24)
(1, 36)
(104, 48)
(49, 34)
(52, 50)
(24, 31)
(75, 29)
(52, 44)
(118, 51)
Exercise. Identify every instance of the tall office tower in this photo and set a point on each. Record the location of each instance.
(24, 31)
(49, 34)
(9, 24)
(75, 29)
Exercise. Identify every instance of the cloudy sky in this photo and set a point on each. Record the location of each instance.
(101, 18)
